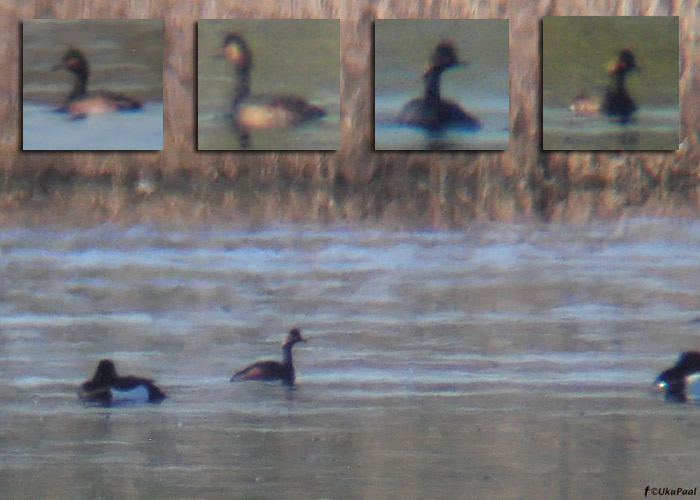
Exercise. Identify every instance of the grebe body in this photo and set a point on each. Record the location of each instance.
(274, 370)
(80, 102)
(261, 111)
(615, 102)
(431, 112)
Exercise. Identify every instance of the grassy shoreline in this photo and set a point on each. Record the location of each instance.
(412, 196)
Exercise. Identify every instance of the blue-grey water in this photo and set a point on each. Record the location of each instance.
(506, 361)
(44, 129)
(654, 129)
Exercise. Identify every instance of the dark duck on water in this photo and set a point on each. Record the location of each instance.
(431, 112)
(681, 382)
(80, 102)
(107, 388)
(261, 111)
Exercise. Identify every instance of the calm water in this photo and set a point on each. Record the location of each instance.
(652, 129)
(501, 362)
(44, 129)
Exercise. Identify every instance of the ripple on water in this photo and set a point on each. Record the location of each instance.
(417, 343)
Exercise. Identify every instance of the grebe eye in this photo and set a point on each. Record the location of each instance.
(234, 53)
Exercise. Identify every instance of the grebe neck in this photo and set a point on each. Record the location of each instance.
(618, 78)
(79, 86)
(287, 354)
(432, 85)
(242, 88)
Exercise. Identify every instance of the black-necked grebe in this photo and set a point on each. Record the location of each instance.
(616, 101)
(274, 370)
(682, 381)
(431, 112)
(107, 388)
(261, 111)
(80, 102)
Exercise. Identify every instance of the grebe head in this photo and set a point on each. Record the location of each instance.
(75, 62)
(294, 337)
(236, 50)
(444, 57)
(625, 62)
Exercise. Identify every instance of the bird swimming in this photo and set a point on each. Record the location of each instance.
(107, 388)
(431, 112)
(271, 370)
(81, 102)
(681, 382)
(261, 111)
(615, 102)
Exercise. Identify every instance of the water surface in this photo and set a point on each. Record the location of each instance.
(652, 129)
(505, 361)
(45, 130)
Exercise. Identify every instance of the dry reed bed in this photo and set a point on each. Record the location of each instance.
(355, 183)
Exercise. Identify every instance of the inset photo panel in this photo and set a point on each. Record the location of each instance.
(92, 85)
(610, 83)
(441, 84)
(268, 85)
